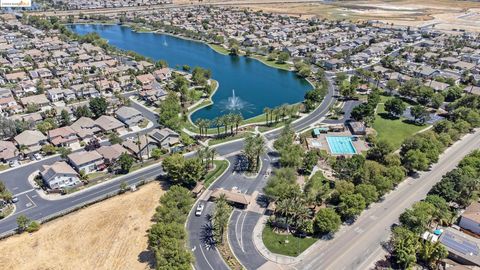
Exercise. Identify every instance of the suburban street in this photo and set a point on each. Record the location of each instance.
(240, 235)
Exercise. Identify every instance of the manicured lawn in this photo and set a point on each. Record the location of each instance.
(276, 243)
(227, 139)
(220, 167)
(393, 130)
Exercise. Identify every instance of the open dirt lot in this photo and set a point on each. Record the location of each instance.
(108, 235)
(445, 14)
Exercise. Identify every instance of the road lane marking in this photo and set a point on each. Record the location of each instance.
(241, 232)
(205, 257)
(26, 191)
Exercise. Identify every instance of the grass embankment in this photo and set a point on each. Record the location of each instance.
(394, 131)
(276, 243)
(271, 63)
(220, 167)
(227, 139)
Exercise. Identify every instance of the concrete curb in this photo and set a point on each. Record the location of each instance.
(262, 249)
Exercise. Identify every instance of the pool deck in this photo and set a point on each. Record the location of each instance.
(320, 142)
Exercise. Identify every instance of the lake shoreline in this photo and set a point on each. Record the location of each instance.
(260, 86)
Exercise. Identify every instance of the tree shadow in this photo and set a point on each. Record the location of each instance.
(147, 256)
(388, 116)
(241, 163)
(207, 234)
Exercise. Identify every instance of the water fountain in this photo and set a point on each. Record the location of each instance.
(234, 103)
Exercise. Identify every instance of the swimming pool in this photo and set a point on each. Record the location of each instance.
(341, 145)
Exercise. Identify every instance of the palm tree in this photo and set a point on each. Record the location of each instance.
(253, 149)
(431, 253)
(199, 123)
(231, 120)
(266, 111)
(237, 118)
(206, 124)
(213, 153)
(217, 123)
(285, 208)
(139, 144)
(221, 216)
(225, 122)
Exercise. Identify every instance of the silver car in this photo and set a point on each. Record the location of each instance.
(199, 210)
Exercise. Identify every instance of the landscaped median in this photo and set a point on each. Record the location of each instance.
(285, 244)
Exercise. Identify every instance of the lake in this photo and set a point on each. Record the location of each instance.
(255, 85)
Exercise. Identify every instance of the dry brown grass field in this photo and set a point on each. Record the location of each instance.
(446, 14)
(107, 235)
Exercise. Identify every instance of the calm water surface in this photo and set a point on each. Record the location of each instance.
(257, 85)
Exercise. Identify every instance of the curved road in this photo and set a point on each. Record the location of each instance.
(206, 256)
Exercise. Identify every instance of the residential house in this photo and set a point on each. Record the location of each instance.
(145, 79)
(162, 74)
(30, 141)
(437, 86)
(59, 175)
(109, 123)
(85, 127)
(141, 146)
(8, 151)
(85, 161)
(57, 94)
(129, 116)
(165, 137)
(470, 219)
(39, 100)
(62, 137)
(111, 153)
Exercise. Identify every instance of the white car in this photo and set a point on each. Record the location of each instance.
(13, 163)
(199, 210)
(38, 156)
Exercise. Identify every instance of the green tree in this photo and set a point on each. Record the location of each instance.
(368, 192)
(282, 184)
(415, 160)
(351, 205)
(326, 221)
(405, 246)
(418, 217)
(156, 153)
(125, 161)
(395, 107)
(431, 253)
(33, 227)
(282, 57)
(83, 111)
(113, 138)
(22, 223)
(309, 161)
(183, 171)
(65, 118)
(380, 151)
(169, 111)
(420, 114)
(98, 106)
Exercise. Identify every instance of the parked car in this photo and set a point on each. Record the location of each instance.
(38, 156)
(14, 199)
(13, 163)
(200, 208)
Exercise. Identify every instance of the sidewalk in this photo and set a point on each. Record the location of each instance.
(258, 242)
